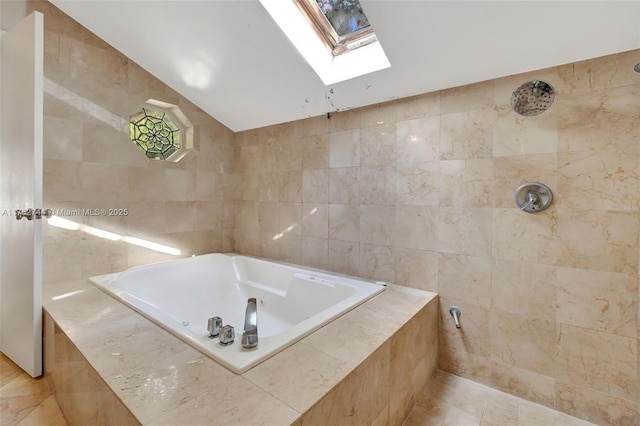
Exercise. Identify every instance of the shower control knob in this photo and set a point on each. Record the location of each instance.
(227, 335)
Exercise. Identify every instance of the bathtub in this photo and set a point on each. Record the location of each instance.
(292, 301)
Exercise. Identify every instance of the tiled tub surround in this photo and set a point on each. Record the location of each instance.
(182, 295)
(419, 192)
(109, 365)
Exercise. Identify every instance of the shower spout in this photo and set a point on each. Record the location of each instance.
(455, 313)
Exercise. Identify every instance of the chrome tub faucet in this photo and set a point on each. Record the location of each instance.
(250, 334)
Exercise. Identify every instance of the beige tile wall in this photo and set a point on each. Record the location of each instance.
(89, 162)
(419, 191)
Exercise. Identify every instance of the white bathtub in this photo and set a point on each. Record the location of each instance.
(292, 301)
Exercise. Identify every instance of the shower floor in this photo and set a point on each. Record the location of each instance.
(452, 400)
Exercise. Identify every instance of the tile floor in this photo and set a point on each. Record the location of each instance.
(25, 401)
(448, 400)
(452, 400)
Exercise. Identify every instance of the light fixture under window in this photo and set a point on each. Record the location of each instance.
(335, 52)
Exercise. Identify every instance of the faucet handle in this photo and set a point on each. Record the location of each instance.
(227, 335)
(213, 326)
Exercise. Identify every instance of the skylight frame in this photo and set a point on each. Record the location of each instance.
(321, 24)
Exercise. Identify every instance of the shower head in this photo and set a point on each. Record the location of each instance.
(636, 68)
(532, 98)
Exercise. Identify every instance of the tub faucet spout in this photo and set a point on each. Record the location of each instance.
(250, 334)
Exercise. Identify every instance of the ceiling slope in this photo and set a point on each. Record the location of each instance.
(231, 59)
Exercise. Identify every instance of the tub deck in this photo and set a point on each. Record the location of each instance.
(109, 365)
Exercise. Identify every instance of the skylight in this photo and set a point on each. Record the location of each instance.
(342, 24)
(334, 36)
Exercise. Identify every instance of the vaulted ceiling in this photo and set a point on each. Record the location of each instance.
(234, 62)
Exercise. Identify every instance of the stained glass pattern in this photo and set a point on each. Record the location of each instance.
(155, 134)
(346, 16)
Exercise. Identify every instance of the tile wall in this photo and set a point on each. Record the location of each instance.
(419, 191)
(90, 163)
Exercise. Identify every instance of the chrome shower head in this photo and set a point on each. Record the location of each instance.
(532, 98)
(636, 68)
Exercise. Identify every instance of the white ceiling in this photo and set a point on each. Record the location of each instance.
(230, 58)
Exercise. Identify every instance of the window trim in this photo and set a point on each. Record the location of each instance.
(328, 34)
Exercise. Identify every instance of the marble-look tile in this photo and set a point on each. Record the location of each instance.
(526, 384)
(315, 186)
(289, 155)
(417, 268)
(466, 134)
(62, 139)
(360, 398)
(465, 278)
(344, 120)
(61, 180)
(377, 224)
(258, 407)
(344, 148)
(511, 172)
(456, 392)
(524, 237)
(378, 115)
(465, 231)
(378, 145)
(344, 186)
(344, 257)
(315, 252)
(415, 227)
(600, 361)
(315, 220)
(424, 105)
(408, 347)
(8, 370)
(326, 370)
(46, 414)
(514, 134)
(310, 126)
(337, 338)
(598, 407)
(600, 120)
(102, 185)
(377, 262)
(290, 186)
(526, 343)
(501, 409)
(315, 152)
(602, 180)
(418, 183)
(418, 140)
(466, 183)
(103, 143)
(155, 390)
(473, 337)
(440, 415)
(377, 185)
(605, 72)
(344, 222)
(466, 98)
(515, 289)
(598, 240)
(603, 301)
